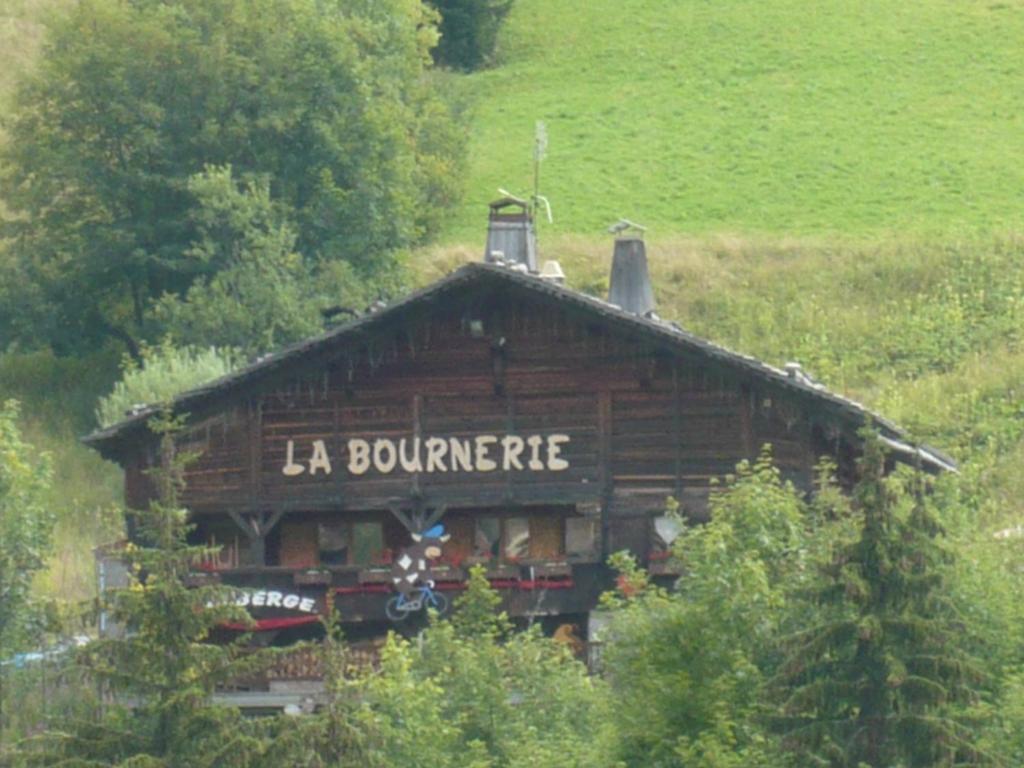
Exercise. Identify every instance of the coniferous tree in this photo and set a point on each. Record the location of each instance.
(879, 681)
(164, 669)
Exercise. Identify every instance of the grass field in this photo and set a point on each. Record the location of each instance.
(866, 118)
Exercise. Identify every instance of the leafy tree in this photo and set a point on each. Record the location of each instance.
(25, 527)
(466, 694)
(260, 292)
(517, 699)
(164, 371)
(878, 679)
(327, 107)
(689, 666)
(469, 31)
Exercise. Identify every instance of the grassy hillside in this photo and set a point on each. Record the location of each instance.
(784, 117)
(57, 397)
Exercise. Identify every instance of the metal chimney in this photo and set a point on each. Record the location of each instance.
(510, 233)
(630, 282)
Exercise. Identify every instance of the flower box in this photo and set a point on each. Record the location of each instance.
(375, 576)
(312, 577)
(549, 569)
(502, 571)
(448, 573)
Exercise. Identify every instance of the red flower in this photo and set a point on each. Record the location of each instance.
(625, 586)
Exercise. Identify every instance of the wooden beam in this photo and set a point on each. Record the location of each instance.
(435, 516)
(267, 522)
(403, 518)
(677, 432)
(251, 531)
(747, 396)
(604, 454)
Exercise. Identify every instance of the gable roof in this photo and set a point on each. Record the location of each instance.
(656, 330)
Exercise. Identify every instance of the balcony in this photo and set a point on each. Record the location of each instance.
(359, 593)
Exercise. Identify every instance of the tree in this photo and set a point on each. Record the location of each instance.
(467, 694)
(878, 679)
(688, 666)
(328, 106)
(165, 665)
(516, 698)
(260, 293)
(25, 527)
(469, 31)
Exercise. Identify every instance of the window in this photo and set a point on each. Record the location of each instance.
(297, 544)
(360, 543)
(488, 537)
(517, 538)
(462, 530)
(538, 537)
(581, 536)
(547, 537)
(367, 543)
(334, 543)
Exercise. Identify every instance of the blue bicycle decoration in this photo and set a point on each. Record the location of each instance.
(413, 578)
(400, 606)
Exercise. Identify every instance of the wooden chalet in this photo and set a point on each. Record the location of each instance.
(542, 427)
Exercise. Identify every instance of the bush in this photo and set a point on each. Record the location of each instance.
(165, 371)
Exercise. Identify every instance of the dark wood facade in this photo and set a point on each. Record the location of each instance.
(559, 424)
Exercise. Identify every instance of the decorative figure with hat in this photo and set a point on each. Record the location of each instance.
(412, 574)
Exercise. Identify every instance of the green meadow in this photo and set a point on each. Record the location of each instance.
(864, 119)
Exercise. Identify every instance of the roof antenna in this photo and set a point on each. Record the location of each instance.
(540, 149)
(536, 200)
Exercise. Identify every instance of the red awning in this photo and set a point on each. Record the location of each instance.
(264, 625)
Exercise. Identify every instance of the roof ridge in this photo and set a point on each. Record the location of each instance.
(665, 330)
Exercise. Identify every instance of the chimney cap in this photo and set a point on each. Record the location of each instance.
(630, 283)
(624, 225)
(552, 271)
(507, 201)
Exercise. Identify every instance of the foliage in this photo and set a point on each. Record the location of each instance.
(330, 106)
(469, 31)
(522, 701)
(58, 398)
(165, 371)
(455, 698)
(164, 664)
(688, 666)
(25, 527)
(876, 679)
(260, 293)
(253, 298)
(477, 611)
(26, 523)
